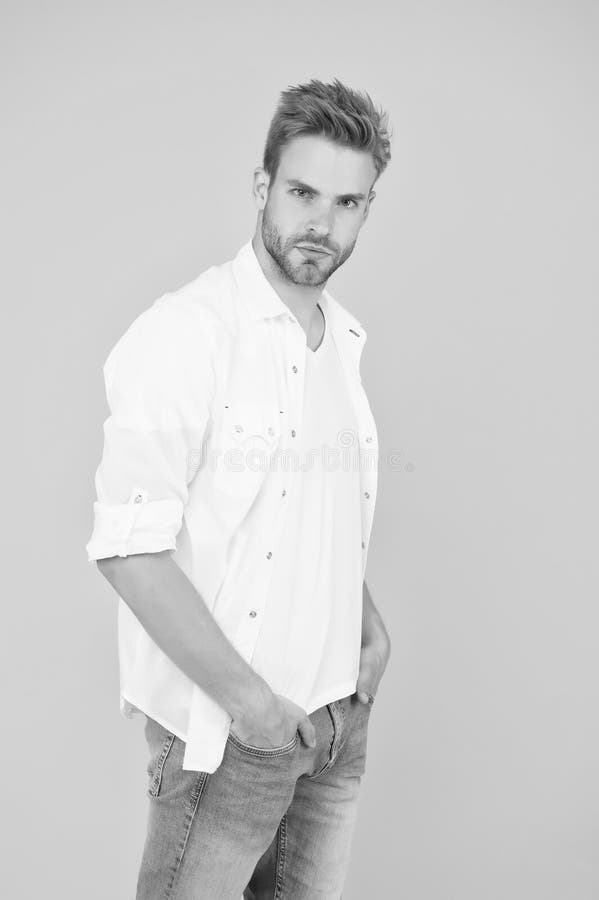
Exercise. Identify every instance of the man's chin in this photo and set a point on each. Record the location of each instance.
(311, 272)
(310, 276)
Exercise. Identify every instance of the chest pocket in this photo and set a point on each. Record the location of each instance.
(249, 435)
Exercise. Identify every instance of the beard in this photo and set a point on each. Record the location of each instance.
(309, 272)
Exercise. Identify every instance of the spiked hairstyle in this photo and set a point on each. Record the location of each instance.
(334, 111)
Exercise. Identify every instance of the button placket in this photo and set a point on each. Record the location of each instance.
(294, 349)
(251, 621)
(293, 404)
(368, 450)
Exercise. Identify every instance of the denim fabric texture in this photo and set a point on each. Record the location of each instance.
(271, 823)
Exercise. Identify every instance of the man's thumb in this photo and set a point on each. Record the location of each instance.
(308, 732)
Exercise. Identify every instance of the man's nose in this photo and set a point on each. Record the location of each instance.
(321, 223)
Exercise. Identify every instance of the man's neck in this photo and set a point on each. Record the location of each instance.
(301, 299)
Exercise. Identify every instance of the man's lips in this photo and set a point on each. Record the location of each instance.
(310, 249)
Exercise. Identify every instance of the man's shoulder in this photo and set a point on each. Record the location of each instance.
(206, 302)
(191, 319)
(200, 308)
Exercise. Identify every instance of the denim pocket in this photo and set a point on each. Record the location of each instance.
(160, 741)
(263, 751)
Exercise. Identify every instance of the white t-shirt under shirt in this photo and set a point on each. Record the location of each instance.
(315, 596)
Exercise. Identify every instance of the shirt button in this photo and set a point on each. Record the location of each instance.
(369, 439)
(138, 499)
(253, 613)
(269, 554)
(239, 428)
(283, 492)
(270, 429)
(366, 494)
(294, 368)
(293, 432)
(363, 544)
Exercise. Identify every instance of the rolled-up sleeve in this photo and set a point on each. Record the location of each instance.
(159, 381)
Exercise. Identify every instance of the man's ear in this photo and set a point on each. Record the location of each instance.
(260, 187)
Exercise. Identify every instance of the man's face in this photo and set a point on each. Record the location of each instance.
(319, 198)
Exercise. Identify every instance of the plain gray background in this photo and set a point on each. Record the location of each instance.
(131, 132)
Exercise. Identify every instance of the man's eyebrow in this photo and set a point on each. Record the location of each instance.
(293, 182)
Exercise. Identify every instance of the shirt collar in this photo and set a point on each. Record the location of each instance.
(262, 301)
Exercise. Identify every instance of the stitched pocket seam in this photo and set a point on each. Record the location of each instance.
(263, 751)
(156, 783)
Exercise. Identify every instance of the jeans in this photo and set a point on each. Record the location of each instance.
(269, 823)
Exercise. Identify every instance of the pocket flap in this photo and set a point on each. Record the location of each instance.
(248, 421)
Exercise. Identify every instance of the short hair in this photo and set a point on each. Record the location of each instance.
(334, 111)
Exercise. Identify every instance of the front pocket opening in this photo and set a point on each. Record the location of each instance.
(264, 751)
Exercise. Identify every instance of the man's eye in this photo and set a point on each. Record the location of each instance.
(302, 191)
(349, 200)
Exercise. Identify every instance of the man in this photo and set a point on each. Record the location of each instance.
(235, 502)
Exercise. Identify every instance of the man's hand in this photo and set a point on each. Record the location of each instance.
(373, 661)
(273, 724)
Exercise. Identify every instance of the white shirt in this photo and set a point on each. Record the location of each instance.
(205, 391)
(314, 602)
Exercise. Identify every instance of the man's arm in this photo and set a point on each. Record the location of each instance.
(160, 381)
(177, 619)
(159, 387)
(373, 628)
(376, 648)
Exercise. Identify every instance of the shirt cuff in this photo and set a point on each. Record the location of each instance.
(139, 526)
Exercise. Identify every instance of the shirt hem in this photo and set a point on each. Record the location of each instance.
(142, 708)
(345, 689)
